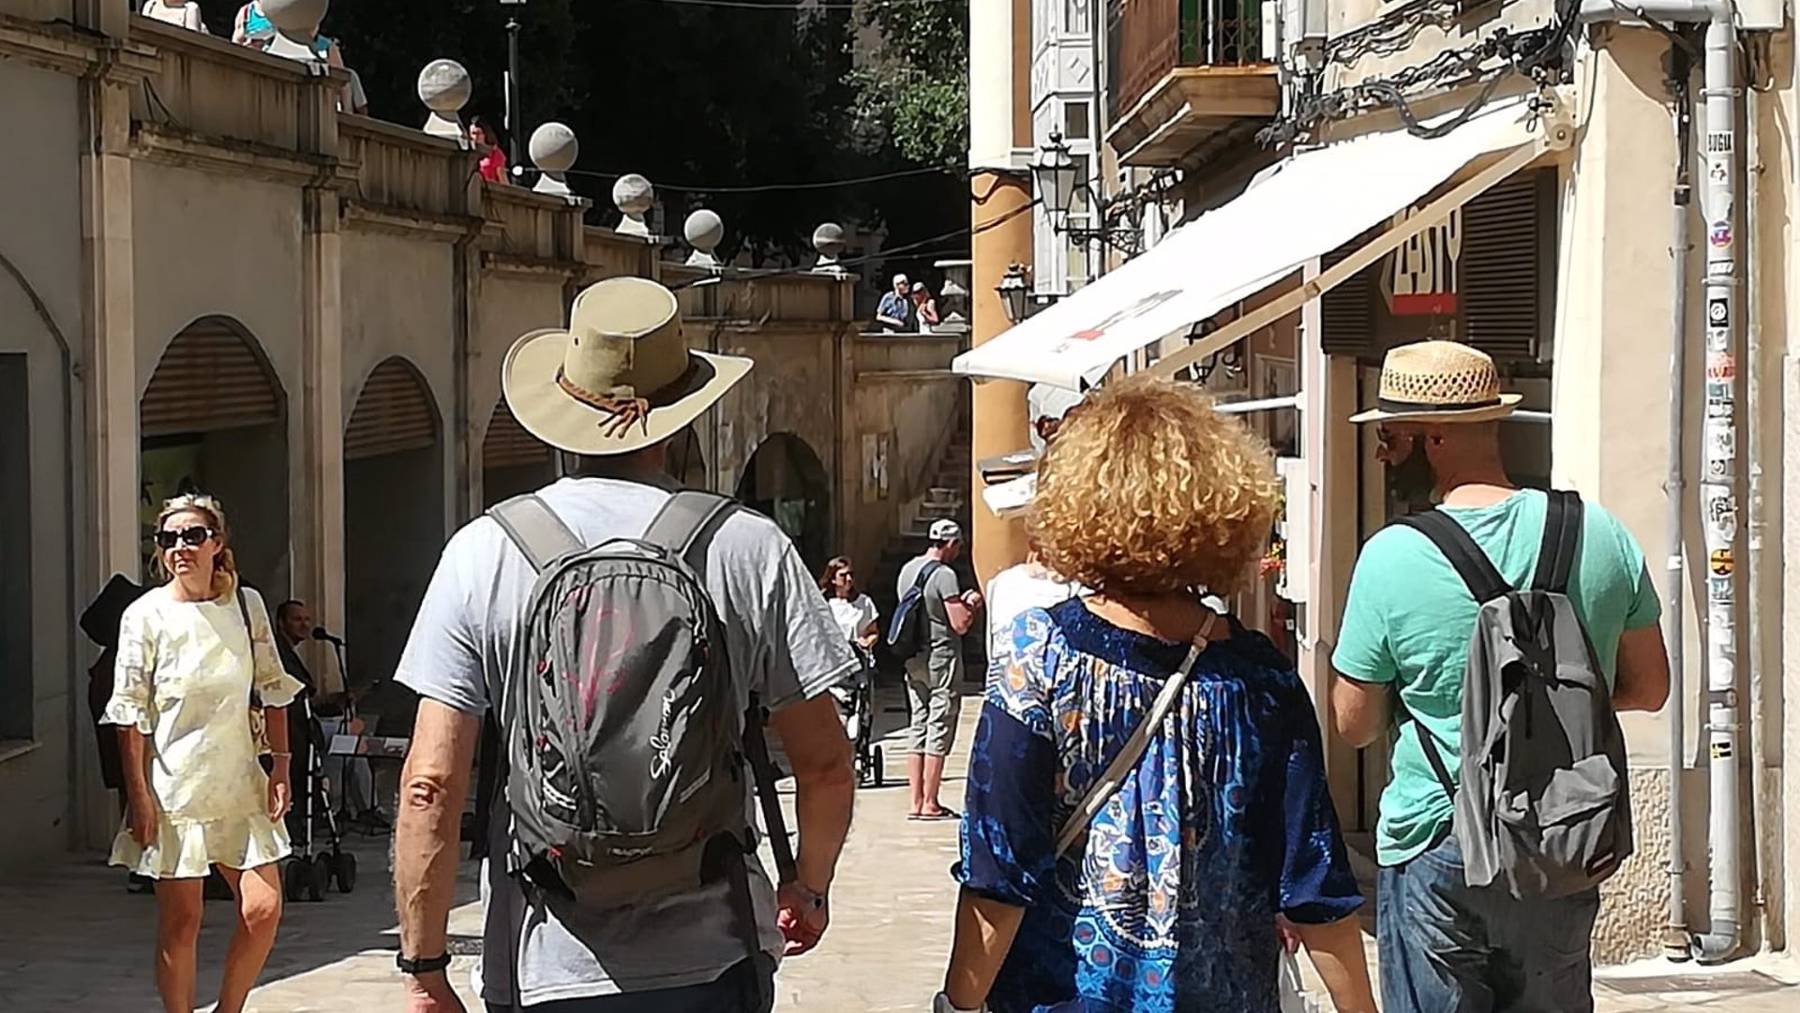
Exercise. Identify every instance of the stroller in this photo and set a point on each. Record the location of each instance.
(308, 873)
(857, 701)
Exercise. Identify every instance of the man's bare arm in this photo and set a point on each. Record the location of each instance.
(824, 788)
(1362, 711)
(1642, 681)
(434, 784)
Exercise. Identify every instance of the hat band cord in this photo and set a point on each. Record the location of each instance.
(623, 412)
(1391, 405)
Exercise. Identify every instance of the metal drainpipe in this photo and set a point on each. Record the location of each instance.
(1718, 492)
(1719, 437)
(1675, 937)
(1756, 444)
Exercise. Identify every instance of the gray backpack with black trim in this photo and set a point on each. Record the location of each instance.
(1543, 803)
(623, 744)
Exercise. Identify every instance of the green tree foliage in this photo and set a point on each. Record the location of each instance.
(913, 91)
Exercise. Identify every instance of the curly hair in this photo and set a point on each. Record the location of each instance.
(1147, 490)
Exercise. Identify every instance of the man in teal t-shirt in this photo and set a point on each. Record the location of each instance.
(1402, 652)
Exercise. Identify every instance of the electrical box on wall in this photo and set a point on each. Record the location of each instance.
(1761, 15)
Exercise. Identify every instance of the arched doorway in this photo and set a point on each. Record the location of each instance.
(785, 481)
(393, 513)
(512, 460)
(213, 419)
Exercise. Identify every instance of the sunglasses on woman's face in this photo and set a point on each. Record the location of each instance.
(193, 537)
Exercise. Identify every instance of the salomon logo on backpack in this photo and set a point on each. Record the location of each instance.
(907, 630)
(624, 741)
(1543, 805)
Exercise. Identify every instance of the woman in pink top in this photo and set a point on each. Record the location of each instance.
(486, 140)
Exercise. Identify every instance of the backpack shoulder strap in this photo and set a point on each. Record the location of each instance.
(1562, 539)
(686, 523)
(535, 529)
(1471, 563)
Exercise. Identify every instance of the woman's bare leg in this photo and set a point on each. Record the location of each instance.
(178, 906)
(258, 894)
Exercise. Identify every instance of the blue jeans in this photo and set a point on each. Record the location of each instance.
(1448, 948)
(747, 987)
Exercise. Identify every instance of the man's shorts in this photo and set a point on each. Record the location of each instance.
(932, 687)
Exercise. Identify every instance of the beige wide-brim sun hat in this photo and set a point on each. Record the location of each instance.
(620, 378)
(1439, 381)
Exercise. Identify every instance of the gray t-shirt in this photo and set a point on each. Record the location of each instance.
(941, 586)
(783, 645)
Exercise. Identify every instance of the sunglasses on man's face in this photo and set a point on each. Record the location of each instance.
(193, 537)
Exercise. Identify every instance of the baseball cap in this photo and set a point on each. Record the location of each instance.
(945, 530)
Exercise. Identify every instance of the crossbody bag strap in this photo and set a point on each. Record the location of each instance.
(1122, 765)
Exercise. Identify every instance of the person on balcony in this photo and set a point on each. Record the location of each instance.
(895, 313)
(180, 13)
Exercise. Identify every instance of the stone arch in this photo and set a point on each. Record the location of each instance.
(394, 509)
(512, 460)
(785, 480)
(213, 417)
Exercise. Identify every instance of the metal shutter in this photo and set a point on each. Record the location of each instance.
(1508, 269)
(393, 414)
(508, 445)
(209, 378)
(1347, 312)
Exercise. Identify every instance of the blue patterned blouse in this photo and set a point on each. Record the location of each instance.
(1170, 902)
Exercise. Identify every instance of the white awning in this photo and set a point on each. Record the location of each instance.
(1308, 205)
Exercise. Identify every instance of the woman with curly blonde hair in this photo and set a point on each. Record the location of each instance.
(192, 652)
(1146, 792)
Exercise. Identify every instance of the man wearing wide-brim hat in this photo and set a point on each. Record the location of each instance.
(1402, 658)
(612, 390)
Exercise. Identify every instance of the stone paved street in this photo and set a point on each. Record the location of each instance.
(72, 939)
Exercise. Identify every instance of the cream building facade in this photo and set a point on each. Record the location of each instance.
(211, 277)
(1560, 265)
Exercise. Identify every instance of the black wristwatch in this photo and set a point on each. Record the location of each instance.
(422, 966)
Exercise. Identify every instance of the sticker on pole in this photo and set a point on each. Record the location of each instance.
(1718, 142)
(1721, 366)
(1721, 563)
(1718, 311)
(1719, 172)
(1720, 235)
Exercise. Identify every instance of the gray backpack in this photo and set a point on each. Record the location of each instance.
(1544, 806)
(622, 746)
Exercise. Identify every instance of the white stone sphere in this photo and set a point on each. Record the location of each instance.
(445, 86)
(828, 239)
(633, 194)
(704, 230)
(295, 17)
(553, 147)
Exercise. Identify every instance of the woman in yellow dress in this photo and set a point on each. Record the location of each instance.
(191, 653)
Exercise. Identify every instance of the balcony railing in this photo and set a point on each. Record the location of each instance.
(1148, 38)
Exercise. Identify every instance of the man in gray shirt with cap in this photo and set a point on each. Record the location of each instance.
(934, 675)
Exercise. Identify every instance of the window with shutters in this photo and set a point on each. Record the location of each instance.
(1347, 312)
(393, 413)
(16, 669)
(1508, 269)
(508, 445)
(211, 377)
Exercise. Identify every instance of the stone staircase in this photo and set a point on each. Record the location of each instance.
(946, 496)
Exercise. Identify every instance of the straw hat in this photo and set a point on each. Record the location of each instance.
(621, 378)
(1439, 381)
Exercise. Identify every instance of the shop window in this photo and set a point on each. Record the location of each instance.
(16, 548)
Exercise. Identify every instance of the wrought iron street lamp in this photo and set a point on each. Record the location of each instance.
(514, 107)
(1015, 293)
(1054, 175)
